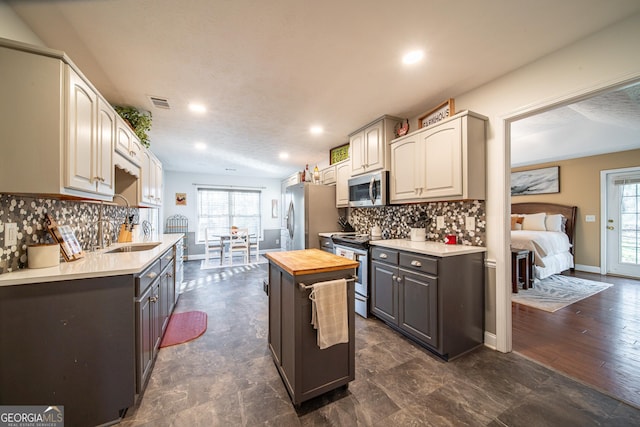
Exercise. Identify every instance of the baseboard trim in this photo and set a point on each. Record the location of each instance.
(588, 268)
(490, 340)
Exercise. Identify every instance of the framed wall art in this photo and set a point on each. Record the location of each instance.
(181, 199)
(536, 181)
(339, 153)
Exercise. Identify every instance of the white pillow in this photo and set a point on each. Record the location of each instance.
(554, 222)
(534, 222)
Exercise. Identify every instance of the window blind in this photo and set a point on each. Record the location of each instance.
(220, 209)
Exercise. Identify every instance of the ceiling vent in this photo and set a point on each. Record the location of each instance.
(159, 102)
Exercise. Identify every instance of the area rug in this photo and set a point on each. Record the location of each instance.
(215, 263)
(557, 291)
(184, 327)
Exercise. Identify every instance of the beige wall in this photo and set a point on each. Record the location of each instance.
(599, 61)
(580, 186)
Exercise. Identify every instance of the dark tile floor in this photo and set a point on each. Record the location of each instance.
(226, 377)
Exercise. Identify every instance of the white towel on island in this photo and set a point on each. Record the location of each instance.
(329, 313)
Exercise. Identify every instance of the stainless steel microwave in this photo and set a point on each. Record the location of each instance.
(369, 190)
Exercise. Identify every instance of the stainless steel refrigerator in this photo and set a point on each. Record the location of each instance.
(311, 209)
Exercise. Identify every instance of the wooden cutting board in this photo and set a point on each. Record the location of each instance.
(310, 261)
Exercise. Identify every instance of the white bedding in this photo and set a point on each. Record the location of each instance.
(551, 249)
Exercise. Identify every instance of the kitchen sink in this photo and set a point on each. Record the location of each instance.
(133, 248)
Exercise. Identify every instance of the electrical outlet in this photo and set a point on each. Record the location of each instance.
(439, 222)
(590, 218)
(10, 234)
(470, 223)
(277, 241)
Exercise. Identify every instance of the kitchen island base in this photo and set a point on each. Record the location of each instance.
(306, 370)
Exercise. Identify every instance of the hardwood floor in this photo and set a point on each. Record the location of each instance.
(596, 340)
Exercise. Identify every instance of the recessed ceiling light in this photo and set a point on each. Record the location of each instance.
(284, 156)
(200, 146)
(197, 108)
(316, 130)
(412, 57)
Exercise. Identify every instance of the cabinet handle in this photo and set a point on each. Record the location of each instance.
(416, 263)
(394, 277)
(398, 279)
(152, 275)
(154, 298)
(383, 256)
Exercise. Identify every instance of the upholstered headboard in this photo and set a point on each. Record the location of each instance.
(569, 212)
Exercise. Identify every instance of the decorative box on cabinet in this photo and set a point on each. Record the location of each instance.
(57, 122)
(343, 173)
(444, 161)
(369, 146)
(436, 301)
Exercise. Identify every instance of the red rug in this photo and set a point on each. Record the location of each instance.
(184, 327)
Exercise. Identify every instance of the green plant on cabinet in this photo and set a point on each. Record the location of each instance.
(140, 122)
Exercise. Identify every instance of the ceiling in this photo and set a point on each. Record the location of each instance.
(269, 70)
(604, 123)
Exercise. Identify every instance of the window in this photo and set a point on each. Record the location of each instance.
(219, 209)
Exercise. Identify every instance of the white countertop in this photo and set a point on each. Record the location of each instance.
(428, 248)
(95, 264)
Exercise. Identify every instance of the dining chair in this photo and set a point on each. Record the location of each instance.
(212, 244)
(254, 244)
(239, 242)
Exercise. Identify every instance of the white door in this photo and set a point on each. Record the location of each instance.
(623, 223)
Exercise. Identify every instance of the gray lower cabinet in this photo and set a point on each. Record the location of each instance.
(436, 301)
(155, 300)
(69, 343)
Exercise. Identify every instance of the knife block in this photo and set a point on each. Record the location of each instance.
(124, 236)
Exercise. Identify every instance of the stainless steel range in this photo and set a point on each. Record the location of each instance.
(356, 247)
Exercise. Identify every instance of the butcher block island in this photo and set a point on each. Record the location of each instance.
(308, 370)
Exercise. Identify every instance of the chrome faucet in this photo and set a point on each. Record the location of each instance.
(100, 231)
(125, 200)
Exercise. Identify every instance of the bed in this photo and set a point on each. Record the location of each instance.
(550, 236)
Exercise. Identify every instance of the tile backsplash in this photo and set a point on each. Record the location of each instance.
(29, 215)
(395, 221)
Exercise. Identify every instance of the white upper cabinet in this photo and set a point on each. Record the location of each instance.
(328, 175)
(444, 161)
(89, 138)
(82, 107)
(127, 142)
(343, 173)
(369, 146)
(104, 148)
(60, 130)
(63, 133)
(151, 182)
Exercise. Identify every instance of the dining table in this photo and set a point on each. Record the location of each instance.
(224, 242)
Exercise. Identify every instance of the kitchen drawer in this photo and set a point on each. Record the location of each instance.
(385, 255)
(424, 264)
(326, 244)
(147, 277)
(166, 258)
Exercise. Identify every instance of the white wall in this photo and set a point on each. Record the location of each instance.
(604, 59)
(181, 182)
(14, 28)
